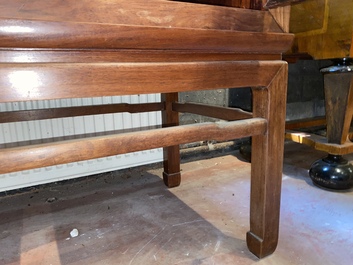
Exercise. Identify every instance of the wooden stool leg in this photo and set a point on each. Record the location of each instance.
(171, 154)
(266, 166)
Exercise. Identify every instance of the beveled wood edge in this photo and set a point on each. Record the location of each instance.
(84, 80)
(281, 15)
(48, 154)
(41, 55)
(49, 34)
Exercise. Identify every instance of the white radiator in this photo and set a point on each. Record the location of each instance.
(11, 133)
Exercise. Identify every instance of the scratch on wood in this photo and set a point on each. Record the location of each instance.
(195, 221)
(145, 245)
(155, 254)
(22, 5)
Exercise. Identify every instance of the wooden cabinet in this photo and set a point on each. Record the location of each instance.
(323, 28)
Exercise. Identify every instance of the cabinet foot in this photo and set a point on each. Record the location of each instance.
(260, 247)
(172, 180)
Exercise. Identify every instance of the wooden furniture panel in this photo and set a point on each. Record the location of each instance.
(70, 35)
(31, 81)
(142, 13)
(75, 49)
(323, 28)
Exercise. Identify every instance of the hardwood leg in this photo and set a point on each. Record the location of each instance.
(171, 154)
(339, 105)
(267, 164)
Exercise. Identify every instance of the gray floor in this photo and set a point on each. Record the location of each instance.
(130, 217)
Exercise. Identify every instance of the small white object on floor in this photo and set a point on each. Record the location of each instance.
(74, 232)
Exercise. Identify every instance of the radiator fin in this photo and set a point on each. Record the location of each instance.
(12, 133)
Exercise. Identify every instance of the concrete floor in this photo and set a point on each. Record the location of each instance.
(130, 217)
